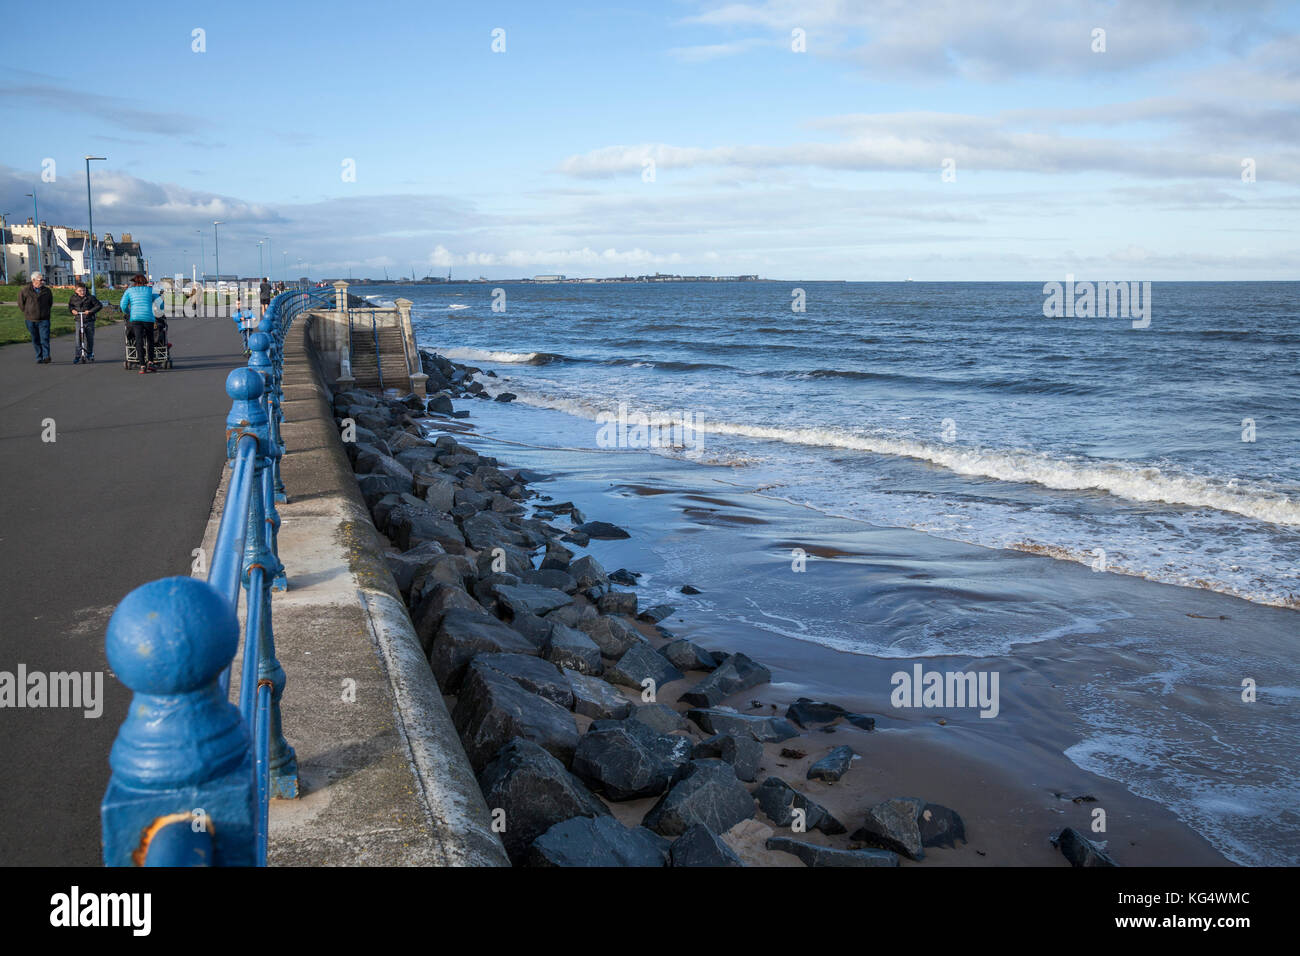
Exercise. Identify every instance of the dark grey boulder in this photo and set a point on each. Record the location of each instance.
(535, 792)
(597, 841)
(532, 674)
(698, 847)
(404, 565)
(463, 634)
(429, 614)
(491, 709)
(617, 602)
(409, 527)
(440, 404)
(612, 635)
(530, 599)
(453, 569)
(653, 615)
(375, 487)
(810, 713)
(379, 510)
(593, 697)
(557, 580)
(602, 530)
(660, 718)
(376, 463)
(765, 729)
(892, 825)
(940, 826)
(624, 577)
(742, 751)
(832, 766)
(735, 674)
(690, 589)
(640, 663)
(779, 801)
(486, 530)
(568, 647)
(416, 459)
(557, 558)
(475, 499)
(1081, 851)
(578, 538)
(814, 855)
(536, 629)
(705, 792)
(507, 558)
(626, 760)
(573, 613)
(687, 656)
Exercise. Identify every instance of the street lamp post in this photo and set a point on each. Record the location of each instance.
(90, 218)
(216, 251)
(36, 221)
(270, 259)
(284, 266)
(260, 273)
(4, 247)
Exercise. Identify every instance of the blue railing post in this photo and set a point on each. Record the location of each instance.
(272, 327)
(262, 362)
(259, 554)
(182, 756)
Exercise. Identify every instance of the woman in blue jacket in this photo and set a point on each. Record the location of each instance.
(137, 305)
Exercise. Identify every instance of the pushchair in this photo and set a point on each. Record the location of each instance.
(162, 349)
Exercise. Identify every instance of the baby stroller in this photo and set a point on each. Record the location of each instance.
(162, 349)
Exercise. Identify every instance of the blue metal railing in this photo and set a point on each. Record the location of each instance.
(192, 773)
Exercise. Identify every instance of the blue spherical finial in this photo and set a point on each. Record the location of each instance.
(171, 636)
(259, 342)
(244, 385)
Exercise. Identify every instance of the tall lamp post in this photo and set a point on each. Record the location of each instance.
(260, 273)
(216, 243)
(36, 222)
(270, 259)
(90, 218)
(4, 246)
(284, 266)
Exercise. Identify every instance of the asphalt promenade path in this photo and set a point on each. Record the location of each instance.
(121, 497)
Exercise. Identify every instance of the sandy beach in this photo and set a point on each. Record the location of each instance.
(1086, 695)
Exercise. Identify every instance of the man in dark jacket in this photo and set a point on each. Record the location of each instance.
(264, 294)
(36, 300)
(84, 306)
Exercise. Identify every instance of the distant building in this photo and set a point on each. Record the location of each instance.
(65, 255)
(32, 247)
(548, 278)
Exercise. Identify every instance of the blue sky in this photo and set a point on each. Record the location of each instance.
(820, 164)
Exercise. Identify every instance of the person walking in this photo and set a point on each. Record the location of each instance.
(137, 305)
(35, 299)
(84, 306)
(264, 294)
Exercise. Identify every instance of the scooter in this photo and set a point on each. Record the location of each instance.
(83, 354)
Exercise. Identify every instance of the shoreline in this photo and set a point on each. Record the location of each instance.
(1010, 808)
